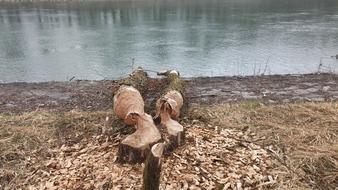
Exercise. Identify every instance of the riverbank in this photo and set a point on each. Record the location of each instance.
(96, 95)
(266, 132)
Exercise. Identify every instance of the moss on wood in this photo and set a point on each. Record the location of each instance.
(137, 79)
(174, 82)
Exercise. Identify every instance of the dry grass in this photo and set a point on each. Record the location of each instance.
(32, 136)
(303, 138)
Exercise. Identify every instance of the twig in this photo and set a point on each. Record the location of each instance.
(280, 160)
(132, 64)
(266, 65)
(320, 65)
(72, 78)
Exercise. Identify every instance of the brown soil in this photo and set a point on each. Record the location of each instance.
(58, 96)
(96, 95)
(269, 89)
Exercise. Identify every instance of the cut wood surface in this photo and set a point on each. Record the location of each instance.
(128, 103)
(173, 130)
(168, 109)
(152, 168)
(135, 147)
(129, 106)
(174, 100)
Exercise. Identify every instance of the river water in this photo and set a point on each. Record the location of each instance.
(44, 42)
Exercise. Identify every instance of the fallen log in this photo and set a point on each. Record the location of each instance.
(173, 81)
(168, 109)
(152, 168)
(137, 79)
(129, 106)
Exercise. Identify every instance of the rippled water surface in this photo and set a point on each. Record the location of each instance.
(44, 42)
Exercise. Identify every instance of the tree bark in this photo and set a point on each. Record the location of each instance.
(152, 168)
(173, 81)
(137, 79)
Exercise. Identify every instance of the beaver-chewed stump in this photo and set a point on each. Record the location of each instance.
(129, 106)
(152, 168)
(168, 109)
(135, 147)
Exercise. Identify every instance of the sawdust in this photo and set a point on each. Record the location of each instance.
(302, 137)
(210, 159)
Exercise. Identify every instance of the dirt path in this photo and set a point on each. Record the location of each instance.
(96, 95)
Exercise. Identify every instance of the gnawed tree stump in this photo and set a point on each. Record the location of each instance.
(173, 101)
(152, 168)
(173, 83)
(129, 106)
(168, 109)
(135, 147)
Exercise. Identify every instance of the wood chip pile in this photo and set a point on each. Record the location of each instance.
(210, 159)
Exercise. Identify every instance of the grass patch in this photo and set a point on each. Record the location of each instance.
(32, 135)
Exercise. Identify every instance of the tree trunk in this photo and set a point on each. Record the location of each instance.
(173, 80)
(129, 107)
(137, 79)
(168, 110)
(152, 168)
